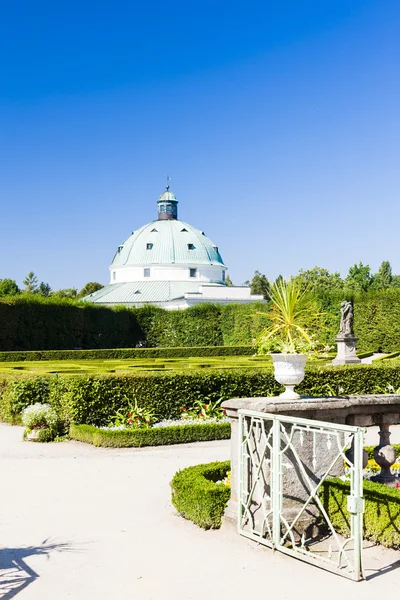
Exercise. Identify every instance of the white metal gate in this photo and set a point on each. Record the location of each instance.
(284, 463)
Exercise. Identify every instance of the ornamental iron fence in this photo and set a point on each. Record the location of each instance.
(283, 465)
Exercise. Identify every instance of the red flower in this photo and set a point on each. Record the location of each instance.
(130, 414)
(183, 408)
(201, 415)
(397, 485)
(130, 421)
(205, 406)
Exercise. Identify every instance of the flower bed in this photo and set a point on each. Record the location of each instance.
(200, 493)
(181, 432)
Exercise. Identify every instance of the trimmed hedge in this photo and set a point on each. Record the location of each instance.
(94, 399)
(30, 322)
(382, 510)
(197, 496)
(158, 436)
(121, 353)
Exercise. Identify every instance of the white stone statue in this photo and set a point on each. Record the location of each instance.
(346, 320)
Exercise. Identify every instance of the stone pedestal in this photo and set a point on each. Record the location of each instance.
(346, 350)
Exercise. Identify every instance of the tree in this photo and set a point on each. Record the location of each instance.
(228, 281)
(67, 293)
(260, 285)
(8, 287)
(90, 288)
(384, 277)
(359, 278)
(31, 283)
(44, 289)
(320, 280)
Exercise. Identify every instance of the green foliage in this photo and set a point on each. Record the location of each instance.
(44, 289)
(377, 320)
(67, 293)
(197, 495)
(20, 393)
(205, 409)
(384, 277)
(44, 419)
(242, 323)
(382, 510)
(124, 353)
(260, 285)
(90, 288)
(94, 400)
(359, 278)
(320, 281)
(8, 287)
(160, 436)
(292, 310)
(31, 283)
(136, 417)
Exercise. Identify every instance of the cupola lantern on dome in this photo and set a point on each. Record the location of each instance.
(167, 206)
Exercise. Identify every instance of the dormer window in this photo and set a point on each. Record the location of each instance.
(149, 246)
(190, 246)
(119, 249)
(215, 248)
(184, 230)
(146, 272)
(154, 231)
(192, 272)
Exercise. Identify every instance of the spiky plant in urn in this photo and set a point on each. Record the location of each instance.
(288, 338)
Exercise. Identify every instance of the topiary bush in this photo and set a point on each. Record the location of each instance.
(199, 493)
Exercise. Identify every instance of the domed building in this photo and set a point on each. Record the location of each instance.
(168, 263)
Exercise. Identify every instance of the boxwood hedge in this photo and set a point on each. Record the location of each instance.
(197, 495)
(122, 353)
(159, 436)
(94, 399)
(382, 510)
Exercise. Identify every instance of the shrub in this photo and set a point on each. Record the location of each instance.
(122, 353)
(382, 510)
(43, 419)
(159, 436)
(197, 495)
(95, 399)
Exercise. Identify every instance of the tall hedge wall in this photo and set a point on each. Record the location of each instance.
(32, 323)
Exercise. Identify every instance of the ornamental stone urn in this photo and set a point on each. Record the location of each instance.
(289, 371)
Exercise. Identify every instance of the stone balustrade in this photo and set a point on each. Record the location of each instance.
(366, 410)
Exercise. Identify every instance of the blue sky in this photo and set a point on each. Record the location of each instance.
(278, 123)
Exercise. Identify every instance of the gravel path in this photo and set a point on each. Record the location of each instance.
(84, 523)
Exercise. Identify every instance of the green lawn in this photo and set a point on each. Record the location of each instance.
(76, 367)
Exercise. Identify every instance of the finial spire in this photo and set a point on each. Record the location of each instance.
(168, 180)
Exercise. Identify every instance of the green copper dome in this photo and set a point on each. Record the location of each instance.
(167, 242)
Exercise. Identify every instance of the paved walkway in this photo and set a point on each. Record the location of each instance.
(82, 523)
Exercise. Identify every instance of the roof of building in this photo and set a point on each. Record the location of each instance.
(167, 242)
(146, 291)
(167, 196)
